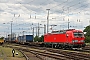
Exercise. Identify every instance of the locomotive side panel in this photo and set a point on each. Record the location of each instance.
(57, 38)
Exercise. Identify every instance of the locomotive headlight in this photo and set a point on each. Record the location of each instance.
(82, 41)
(75, 41)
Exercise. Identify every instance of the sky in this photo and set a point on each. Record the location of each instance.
(26, 14)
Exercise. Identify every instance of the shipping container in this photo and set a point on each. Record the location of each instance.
(28, 38)
(25, 38)
(19, 38)
(6, 39)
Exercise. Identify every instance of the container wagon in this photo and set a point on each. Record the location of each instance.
(6, 39)
(13, 39)
(1, 41)
(19, 39)
(26, 39)
(70, 38)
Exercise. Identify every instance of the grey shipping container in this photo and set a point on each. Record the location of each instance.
(27, 38)
(6, 39)
(19, 38)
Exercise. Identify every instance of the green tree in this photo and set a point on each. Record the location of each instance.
(87, 30)
(36, 38)
(87, 35)
(2, 38)
(87, 40)
(41, 39)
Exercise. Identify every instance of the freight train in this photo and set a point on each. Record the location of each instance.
(70, 38)
(20, 39)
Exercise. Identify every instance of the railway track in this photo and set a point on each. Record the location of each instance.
(73, 55)
(70, 54)
(42, 53)
(56, 53)
(26, 56)
(87, 48)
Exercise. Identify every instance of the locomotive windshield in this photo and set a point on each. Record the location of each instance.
(78, 34)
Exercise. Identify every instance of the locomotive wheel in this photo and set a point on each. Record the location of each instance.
(55, 46)
(70, 47)
(65, 47)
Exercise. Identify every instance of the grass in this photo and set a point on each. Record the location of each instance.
(6, 54)
(87, 43)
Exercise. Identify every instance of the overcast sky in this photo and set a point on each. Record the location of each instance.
(24, 13)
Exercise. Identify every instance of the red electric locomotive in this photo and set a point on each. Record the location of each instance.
(70, 38)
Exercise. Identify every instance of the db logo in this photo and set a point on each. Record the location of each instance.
(54, 38)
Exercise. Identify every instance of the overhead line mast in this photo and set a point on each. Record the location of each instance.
(47, 19)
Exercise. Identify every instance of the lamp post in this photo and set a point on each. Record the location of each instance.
(39, 28)
(44, 27)
(47, 19)
(11, 30)
(68, 23)
(33, 34)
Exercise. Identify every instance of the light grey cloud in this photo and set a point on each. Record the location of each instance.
(1, 10)
(29, 9)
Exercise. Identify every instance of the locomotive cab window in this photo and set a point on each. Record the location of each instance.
(78, 34)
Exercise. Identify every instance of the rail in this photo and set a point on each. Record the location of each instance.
(24, 55)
